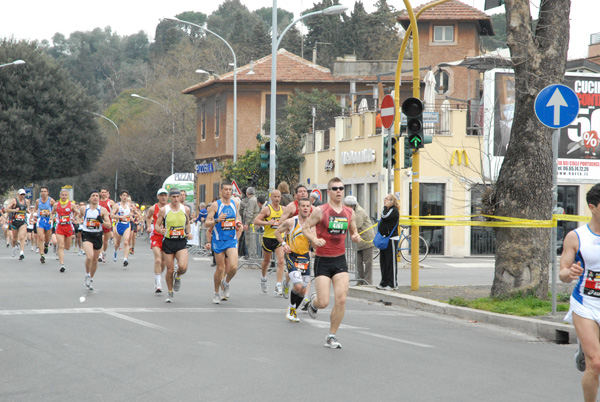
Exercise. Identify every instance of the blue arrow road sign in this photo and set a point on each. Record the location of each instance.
(556, 106)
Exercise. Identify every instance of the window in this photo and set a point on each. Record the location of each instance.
(326, 139)
(203, 119)
(443, 33)
(373, 200)
(202, 193)
(216, 191)
(217, 116)
(360, 194)
(432, 203)
(483, 239)
(442, 81)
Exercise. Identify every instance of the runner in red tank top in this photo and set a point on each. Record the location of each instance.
(107, 204)
(64, 212)
(291, 209)
(156, 237)
(332, 221)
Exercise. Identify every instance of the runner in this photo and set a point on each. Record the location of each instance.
(135, 225)
(332, 221)
(269, 218)
(122, 213)
(63, 212)
(31, 221)
(95, 218)
(174, 225)
(109, 205)
(43, 207)
(19, 207)
(297, 256)
(227, 226)
(156, 239)
(78, 225)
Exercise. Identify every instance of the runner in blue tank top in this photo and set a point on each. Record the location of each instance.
(44, 206)
(223, 216)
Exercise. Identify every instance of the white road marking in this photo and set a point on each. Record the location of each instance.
(140, 322)
(472, 265)
(325, 324)
(389, 338)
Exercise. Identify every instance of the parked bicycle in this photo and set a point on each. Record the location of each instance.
(405, 244)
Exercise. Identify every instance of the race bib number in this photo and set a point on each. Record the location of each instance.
(64, 220)
(92, 223)
(228, 224)
(177, 232)
(19, 216)
(337, 225)
(301, 264)
(592, 284)
(276, 225)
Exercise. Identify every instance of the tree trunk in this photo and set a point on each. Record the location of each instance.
(524, 185)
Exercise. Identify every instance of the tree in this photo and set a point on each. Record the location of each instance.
(498, 41)
(45, 130)
(329, 29)
(524, 185)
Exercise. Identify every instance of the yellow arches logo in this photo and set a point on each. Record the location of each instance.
(459, 156)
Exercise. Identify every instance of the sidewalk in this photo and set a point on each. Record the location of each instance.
(443, 278)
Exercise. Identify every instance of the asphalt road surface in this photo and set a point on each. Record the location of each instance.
(126, 344)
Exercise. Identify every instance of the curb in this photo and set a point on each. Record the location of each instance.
(552, 331)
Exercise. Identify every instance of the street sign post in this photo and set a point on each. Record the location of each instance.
(388, 111)
(556, 106)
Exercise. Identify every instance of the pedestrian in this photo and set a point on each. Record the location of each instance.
(331, 221)
(388, 227)
(286, 197)
(251, 211)
(314, 200)
(580, 261)
(364, 253)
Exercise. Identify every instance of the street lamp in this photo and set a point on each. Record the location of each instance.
(16, 62)
(275, 42)
(173, 127)
(234, 79)
(119, 137)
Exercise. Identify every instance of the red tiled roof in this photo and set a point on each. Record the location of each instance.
(452, 10)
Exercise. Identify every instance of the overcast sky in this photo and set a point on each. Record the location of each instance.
(41, 19)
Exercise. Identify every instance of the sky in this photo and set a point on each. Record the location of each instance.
(41, 19)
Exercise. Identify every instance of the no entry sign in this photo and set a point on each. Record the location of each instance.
(387, 111)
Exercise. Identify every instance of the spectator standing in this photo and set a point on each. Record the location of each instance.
(388, 226)
(364, 253)
(251, 210)
(286, 197)
(314, 200)
(242, 251)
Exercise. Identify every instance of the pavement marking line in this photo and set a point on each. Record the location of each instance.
(325, 324)
(389, 338)
(471, 265)
(136, 321)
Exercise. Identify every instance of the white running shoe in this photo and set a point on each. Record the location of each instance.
(157, 288)
(13, 252)
(169, 297)
(87, 281)
(312, 310)
(286, 289)
(332, 342)
(263, 285)
(226, 291)
(278, 290)
(291, 314)
(216, 299)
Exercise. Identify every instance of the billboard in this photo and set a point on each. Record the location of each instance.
(578, 148)
(182, 181)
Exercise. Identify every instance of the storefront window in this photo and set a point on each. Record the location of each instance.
(483, 239)
(432, 203)
(567, 203)
(373, 209)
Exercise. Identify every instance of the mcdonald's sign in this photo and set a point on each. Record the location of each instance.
(459, 156)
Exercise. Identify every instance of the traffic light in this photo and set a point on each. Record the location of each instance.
(265, 156)
(413, 109)
(386, 150)
(407, 154)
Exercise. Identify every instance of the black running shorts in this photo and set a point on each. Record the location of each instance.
(93, 237)
(330, 266)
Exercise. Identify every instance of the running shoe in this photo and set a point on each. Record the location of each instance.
(13, 252)
(169, 297)
(291, 314)
(91, 284)
(21, 257)
(176, 283)
(278, 290)
(312, 310)
(286, 289)
(45, 248)
(216, 299)
(332, 342)
(7, 245)
(31, 248)
(263, 285)
(225, 287)
(103, 257)
(37, 250)
(80, 252)
(304, 304)
(125, 262)
(42, 259)
(579, 358)
(131, 251)
(157, 288)
(62, 268)
(115, 256)
(54, 248)
(87, 282)
(296, 319)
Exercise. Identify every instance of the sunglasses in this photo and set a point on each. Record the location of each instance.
(337, 188)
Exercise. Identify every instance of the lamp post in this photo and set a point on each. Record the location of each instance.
(173, 128)
(275, 42)
(119, 137)
(234, 79)
(16, 62)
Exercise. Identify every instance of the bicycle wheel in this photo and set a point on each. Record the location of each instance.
(405, 248)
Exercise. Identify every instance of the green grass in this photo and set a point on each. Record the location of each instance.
(520, 306)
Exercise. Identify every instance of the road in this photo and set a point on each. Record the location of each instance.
(126, 344)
